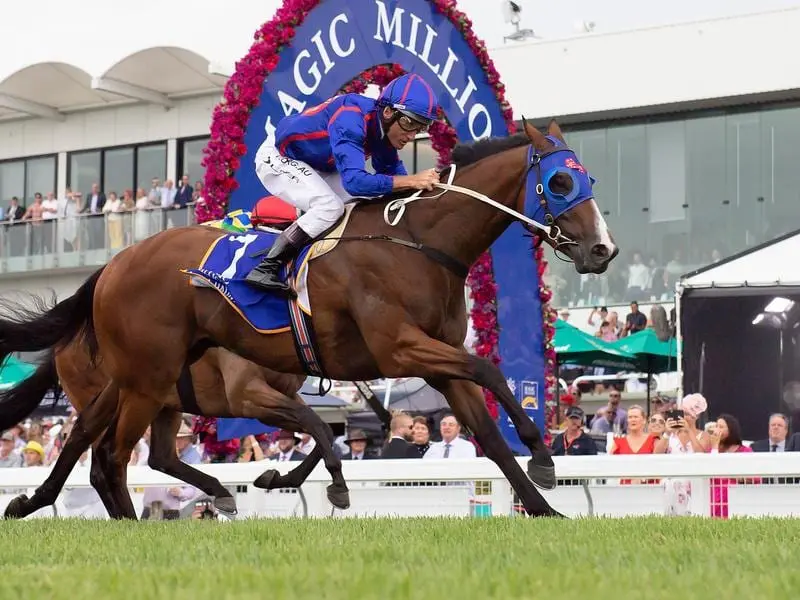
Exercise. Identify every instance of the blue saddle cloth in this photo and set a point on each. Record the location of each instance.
(226, 264)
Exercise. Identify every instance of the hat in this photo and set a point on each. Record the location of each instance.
(567, 399)
(7, 436)
(575, 411)
(694, 404)
(184, 431)
(285, 434)
(356, 435)
(34, 447)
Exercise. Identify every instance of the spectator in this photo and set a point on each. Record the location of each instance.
(287, 440)
(251, 450)
(776, 440)
(573, 441)
(184, 194)
(398, 445)
(421, 435)
(306, 444)
(638, 276)
(727, 438)
(34, 454)
(611, 418)
(635, 441)
(357, 441)
(452, 445)
(9, 457)
(635, 321)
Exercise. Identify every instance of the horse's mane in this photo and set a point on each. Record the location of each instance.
(472, 152)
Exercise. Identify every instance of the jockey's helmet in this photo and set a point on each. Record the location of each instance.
(410, 95)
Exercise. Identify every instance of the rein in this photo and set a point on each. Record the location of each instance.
(549, 230)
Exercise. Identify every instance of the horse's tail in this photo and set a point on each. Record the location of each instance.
(18, 402)
(36, 329)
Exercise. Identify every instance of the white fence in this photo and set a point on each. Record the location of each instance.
(730, 484)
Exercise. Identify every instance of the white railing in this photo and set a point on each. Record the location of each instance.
(81, 239)
(765, 484)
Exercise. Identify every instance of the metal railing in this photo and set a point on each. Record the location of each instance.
(81, 239)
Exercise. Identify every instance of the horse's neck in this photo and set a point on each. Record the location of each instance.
(464, 227)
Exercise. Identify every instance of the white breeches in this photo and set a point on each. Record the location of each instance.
(320, 196)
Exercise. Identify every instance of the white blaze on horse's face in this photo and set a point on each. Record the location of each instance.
(603, 233)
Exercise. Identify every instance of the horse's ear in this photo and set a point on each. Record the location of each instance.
(535, 136)
(554, 130)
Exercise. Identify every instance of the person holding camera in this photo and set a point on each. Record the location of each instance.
(681, 435)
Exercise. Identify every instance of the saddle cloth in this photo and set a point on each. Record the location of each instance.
(233, 254)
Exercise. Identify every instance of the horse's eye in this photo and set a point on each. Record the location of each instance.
(560, 184)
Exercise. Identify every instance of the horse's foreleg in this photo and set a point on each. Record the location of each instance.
(468, 404)
(541, 469)
(88, 426)
(416, 354)
(163, 458)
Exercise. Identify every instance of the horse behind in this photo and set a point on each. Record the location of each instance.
(388, 302)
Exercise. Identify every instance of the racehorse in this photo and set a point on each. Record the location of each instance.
(221, 383)
(383, 306)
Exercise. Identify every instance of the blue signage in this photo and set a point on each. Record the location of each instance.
(339, 40)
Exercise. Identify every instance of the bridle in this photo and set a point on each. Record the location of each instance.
(549, 230)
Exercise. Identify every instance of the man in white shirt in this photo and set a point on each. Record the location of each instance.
(451, 446)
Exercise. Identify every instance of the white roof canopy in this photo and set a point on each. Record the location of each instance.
(763, 269)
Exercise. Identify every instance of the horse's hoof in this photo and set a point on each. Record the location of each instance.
(16, 508)
(542, 476)
(339, 497)
(226, 504)
(266, 481)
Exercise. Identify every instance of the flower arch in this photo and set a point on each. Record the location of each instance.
(226, 146)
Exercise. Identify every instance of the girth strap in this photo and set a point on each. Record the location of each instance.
(451, 264)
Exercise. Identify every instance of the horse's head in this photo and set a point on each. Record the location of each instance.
(558, 194)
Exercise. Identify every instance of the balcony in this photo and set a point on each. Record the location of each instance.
(80, 241)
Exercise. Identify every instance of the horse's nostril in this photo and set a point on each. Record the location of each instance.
(600, 251)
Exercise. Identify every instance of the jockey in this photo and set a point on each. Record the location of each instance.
(316, 161)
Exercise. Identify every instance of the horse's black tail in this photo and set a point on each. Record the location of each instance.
(18, 402)
(36, 329)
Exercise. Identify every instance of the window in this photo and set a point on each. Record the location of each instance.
(12, 181)
(24, 178)
(84, 171)
(685, 192)
(118, 170)
(151, 162)
(191, 157)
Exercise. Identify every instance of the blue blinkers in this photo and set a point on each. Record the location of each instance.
(559, 160)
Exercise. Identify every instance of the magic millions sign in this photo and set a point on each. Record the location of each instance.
(338, 41)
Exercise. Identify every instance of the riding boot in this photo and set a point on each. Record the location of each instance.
(267, 274)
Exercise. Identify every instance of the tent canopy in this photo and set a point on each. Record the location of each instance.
(770, 268)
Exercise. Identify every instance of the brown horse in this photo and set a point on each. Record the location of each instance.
(222, 383)
(392, 308)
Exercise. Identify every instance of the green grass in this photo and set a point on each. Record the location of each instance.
(642, 558)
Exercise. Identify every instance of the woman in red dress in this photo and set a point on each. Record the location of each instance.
(635, 441)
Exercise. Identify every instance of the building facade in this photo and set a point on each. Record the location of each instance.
(689, 131)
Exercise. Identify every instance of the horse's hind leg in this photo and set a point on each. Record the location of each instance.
(164, 458)
(468, 404)
(136, 411)
(88, 426)
(278, 410)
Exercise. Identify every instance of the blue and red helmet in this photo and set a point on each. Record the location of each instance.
(411, 95)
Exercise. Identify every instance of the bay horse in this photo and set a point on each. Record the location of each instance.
(222, 384)
(389, 309)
